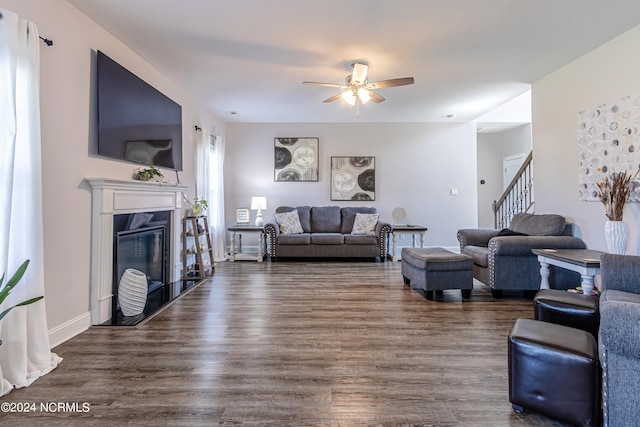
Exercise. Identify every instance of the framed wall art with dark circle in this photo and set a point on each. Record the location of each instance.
(353, 178)
(296, 159)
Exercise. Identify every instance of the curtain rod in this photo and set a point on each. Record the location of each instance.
(47, 41)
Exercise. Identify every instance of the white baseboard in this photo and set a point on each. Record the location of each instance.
(69, 329)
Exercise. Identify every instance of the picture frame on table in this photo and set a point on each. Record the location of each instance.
(242, 216)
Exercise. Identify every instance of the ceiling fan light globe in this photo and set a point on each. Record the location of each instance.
(359, 75)
(364, 95)
(349, 97)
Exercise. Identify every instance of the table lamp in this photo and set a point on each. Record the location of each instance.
(259, 203)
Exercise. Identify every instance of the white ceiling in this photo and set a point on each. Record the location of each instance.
(467, 56)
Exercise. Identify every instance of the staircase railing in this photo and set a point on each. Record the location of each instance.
(517, 197)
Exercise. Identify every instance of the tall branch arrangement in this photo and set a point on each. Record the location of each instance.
(614, 192)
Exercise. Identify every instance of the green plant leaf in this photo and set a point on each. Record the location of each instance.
(13, 281)
(27, 302)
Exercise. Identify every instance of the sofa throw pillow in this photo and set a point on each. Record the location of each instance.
(348, 215)
(508, 232)
(289, 222)
(538, 224)
(365, 224)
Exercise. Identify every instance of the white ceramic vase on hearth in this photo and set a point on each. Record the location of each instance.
(615, 234)
(132, 292)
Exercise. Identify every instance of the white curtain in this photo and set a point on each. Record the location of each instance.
(25, 353)
(210, 185)
(216, 194)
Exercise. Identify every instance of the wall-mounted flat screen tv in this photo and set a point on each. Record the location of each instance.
(135, 121)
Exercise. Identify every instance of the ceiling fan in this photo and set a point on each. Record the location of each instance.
(357, 89)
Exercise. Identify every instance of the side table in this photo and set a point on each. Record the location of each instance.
(414, 230)
(237, 230)
(584, 261)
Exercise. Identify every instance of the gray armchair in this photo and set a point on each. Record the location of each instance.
(502, 259)
(619, 339)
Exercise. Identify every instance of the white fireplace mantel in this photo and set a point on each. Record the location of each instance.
(112, 197)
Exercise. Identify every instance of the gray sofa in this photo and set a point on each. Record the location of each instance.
(326, 232)
(502, 259)
(619, 339)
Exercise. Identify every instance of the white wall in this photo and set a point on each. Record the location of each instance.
(66, 117)
(516, 140)
(516, 110)
(603, 75)
(416, 166)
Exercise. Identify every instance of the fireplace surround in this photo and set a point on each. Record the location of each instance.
(112, 197)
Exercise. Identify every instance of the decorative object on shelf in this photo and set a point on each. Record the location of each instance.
(132, 292)
(12, 283)
(353, 178)
(296, 159)
(614, 191)
(148, 174)
(399, 214)
(242, 216)
(198, 206)
(259, 203)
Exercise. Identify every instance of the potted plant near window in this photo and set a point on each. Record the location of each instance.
(614, 191)
(12, 283)
(198, 206)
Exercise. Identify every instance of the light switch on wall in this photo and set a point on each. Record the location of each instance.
(454, 191)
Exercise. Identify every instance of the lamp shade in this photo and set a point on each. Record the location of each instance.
(258, 203)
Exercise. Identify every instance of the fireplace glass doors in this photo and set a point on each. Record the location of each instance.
(145, 251)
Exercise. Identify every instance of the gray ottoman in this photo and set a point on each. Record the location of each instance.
(437, 269)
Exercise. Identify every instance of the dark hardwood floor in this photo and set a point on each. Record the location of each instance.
(293, 344)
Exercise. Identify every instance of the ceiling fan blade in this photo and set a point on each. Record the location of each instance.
(333, 98)
(375, 97)
(359, 75)
(324, 84)
(390, 83)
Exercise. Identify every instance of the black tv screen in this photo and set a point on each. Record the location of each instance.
(135, 121)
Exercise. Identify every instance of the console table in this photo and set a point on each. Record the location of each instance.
(584, 261)
(414, 230)
(237, 230)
